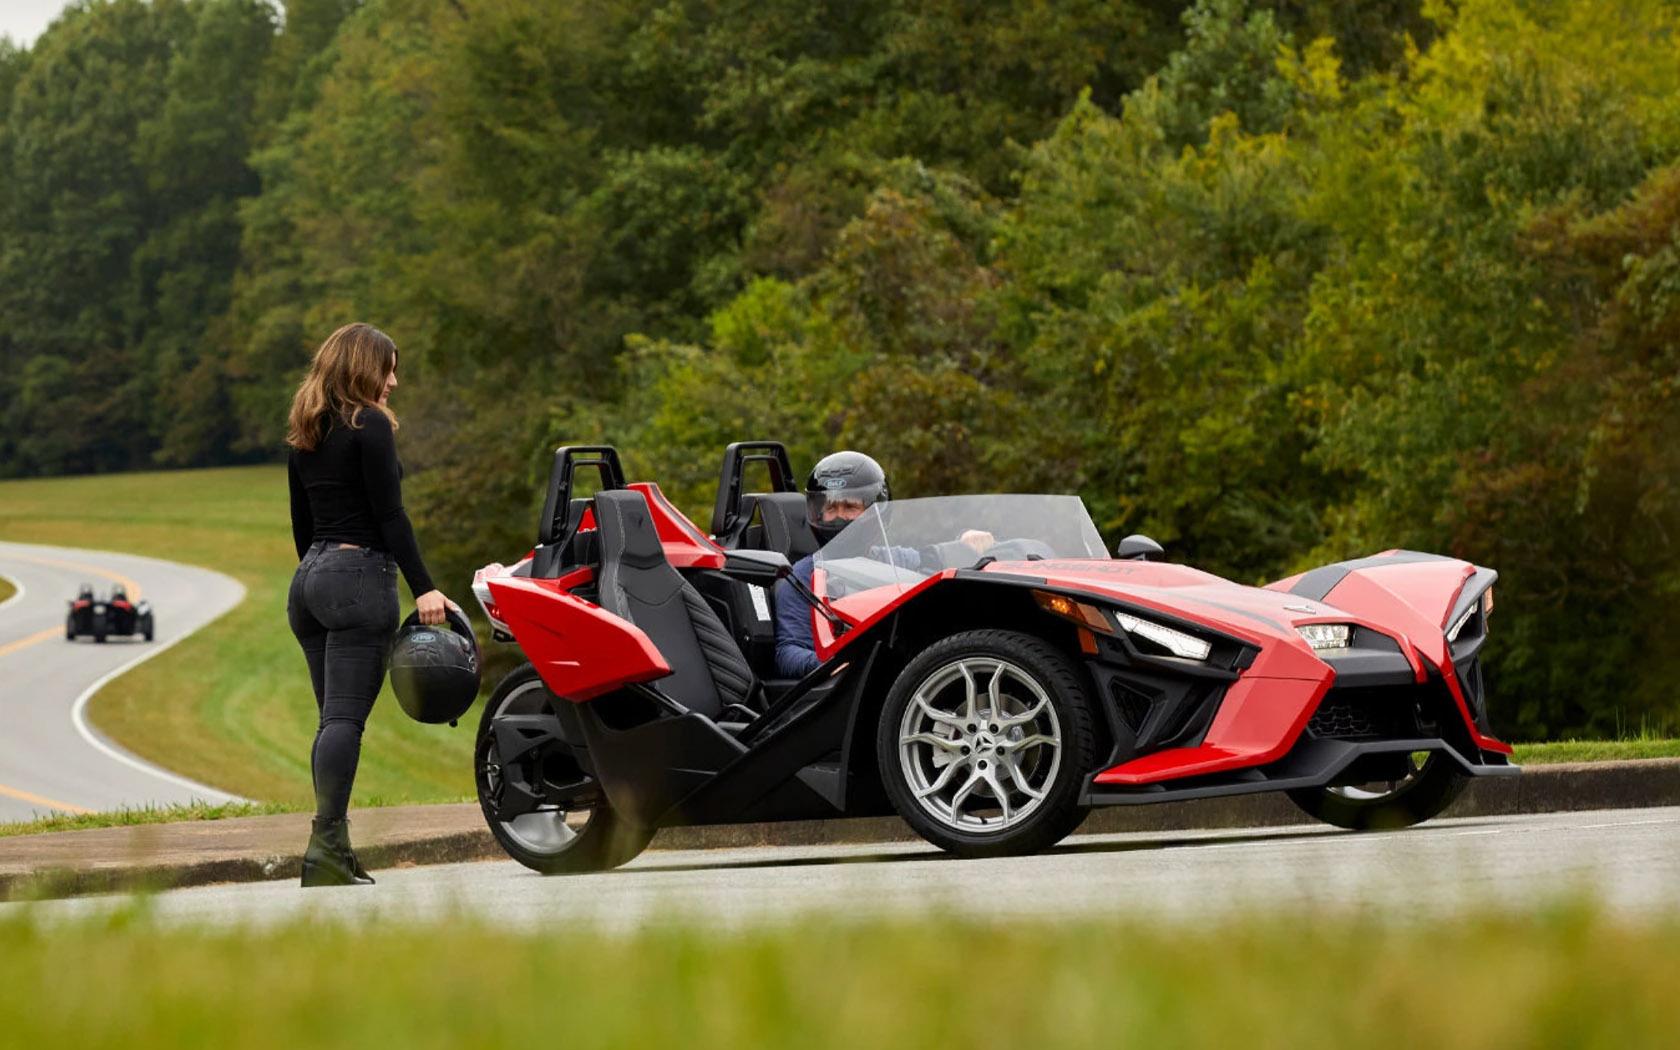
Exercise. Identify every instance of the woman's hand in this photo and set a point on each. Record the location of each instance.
(433, 607)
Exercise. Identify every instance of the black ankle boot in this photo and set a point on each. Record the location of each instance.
(329, 861)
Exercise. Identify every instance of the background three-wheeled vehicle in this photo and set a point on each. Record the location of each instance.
(115, 614)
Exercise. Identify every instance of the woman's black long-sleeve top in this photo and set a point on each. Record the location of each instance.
(349, 490)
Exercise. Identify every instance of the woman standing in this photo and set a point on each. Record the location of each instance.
(352, 535)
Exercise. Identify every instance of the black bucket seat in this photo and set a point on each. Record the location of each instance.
(708, 672)
(786, 529)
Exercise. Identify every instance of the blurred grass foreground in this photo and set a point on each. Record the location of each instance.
(1567, 978)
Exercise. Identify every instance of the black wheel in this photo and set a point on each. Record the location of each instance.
(1430, 786)
(70, 627)
(551, 840)
(983, 742)
(99, 627)
(147, 628)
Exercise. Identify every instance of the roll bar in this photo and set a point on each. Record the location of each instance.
(726, 513)
(555, 526)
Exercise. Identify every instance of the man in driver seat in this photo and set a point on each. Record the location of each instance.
(839, 489)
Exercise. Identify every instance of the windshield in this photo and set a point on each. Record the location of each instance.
(899, 543)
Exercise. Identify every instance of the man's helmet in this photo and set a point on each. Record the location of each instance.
(119, 593)
(85, 594)
(434, 670)
(842, 477)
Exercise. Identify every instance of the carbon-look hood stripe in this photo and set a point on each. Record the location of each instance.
(1317, 584)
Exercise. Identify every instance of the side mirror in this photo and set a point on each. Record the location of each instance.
(1138, 547)
(761, 567)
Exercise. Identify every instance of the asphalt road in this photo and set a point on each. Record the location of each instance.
(51, 759)
(1627, 860)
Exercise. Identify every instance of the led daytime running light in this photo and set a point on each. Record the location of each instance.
(1458, 628)
(1176, 642)
(1325, 637)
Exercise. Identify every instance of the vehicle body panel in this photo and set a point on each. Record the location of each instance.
(580, 650)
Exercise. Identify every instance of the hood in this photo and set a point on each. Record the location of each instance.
(1405, 594)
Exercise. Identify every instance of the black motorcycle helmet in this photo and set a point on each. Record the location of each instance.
(119, 593)
(842, 477)
(85, 593)
(434, 670)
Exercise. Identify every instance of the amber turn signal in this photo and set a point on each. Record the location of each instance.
(1077, 611)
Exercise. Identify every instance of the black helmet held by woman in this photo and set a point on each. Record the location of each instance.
(434, 670)
(848, 481)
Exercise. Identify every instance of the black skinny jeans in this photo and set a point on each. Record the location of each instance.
(343, 609)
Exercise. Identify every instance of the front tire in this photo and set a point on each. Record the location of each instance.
(1429, 788)
(147, 628)
(983, 742)
(550, 841)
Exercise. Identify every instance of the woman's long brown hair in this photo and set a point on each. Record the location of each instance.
(348, 373)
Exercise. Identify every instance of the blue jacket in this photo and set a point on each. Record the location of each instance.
(796, 649)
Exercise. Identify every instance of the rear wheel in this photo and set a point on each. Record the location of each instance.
(983, 741)
(99, 627)
(1427, 785)
(550, 840)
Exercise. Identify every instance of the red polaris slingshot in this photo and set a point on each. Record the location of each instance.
(990, 698)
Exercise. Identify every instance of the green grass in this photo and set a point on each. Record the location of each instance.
(1568, 978)
(230, 706)
(7, 589)
(1594, 751)
(130, 816)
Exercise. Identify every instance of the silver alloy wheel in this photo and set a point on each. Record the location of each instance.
(980, 744)
(1377, 790)
(546, 831)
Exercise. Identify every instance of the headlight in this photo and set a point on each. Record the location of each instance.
(1327, 639)
(1186, 646)
(1485, 607)
(1176, 642)
(1457, 628)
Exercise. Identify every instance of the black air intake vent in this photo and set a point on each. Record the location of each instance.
(1133, 704)
(1367, 714)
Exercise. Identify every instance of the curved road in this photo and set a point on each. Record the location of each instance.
(51, 759)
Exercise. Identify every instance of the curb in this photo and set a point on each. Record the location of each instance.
(199, 853)
(73, 882)
(1564, 787)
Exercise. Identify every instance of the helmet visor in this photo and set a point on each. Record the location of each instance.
(836, 506)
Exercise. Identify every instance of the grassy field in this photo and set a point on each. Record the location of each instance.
(1563, 979)
(7, 589)
(230, 706)
(130, 816)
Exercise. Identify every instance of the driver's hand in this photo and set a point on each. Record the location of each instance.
(979, 540)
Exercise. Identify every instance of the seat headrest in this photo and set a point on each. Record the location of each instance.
(785, 526)
(626, 529)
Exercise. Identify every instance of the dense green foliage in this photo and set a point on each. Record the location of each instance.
(1275, 282)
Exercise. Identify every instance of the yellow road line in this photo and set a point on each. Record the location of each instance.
(115, 577)
(37, 800)
(24, 643)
